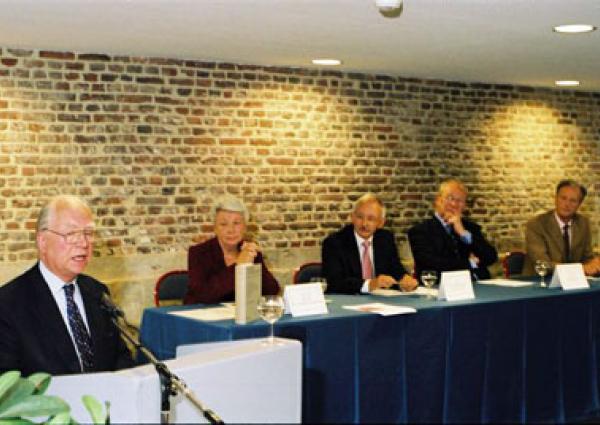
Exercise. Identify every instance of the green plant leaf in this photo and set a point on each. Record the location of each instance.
(15, 421)
(95, 408)
(19, 392)
(61, 419)
(41, 381)
(7, 380)
(36, 405)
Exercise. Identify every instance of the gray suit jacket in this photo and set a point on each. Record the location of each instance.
(544, 241)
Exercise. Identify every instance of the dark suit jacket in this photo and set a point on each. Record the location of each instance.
(211, 281)
(434, 249)
(544, 241)
(341, 260)
(33, 334)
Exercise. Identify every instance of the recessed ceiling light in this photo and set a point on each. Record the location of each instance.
(327, 62)
(567, 83)
(574, 28)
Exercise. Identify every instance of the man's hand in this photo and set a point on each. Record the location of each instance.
(592, 267)
(408, 283)
(455, 219)
(381, 281)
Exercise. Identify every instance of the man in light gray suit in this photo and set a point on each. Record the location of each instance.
(562, 235)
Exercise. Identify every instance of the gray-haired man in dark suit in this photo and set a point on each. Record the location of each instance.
(50, 317)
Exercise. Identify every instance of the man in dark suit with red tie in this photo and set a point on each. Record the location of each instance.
(448, 241)
(50, 317)
(362, 256)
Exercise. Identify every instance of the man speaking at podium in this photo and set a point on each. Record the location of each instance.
(50, 317)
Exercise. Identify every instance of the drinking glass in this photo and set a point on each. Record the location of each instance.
(429, 277)
(541, 268)
(270, 309)
(320, 280)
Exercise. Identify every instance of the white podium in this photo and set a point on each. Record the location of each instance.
(241, 381)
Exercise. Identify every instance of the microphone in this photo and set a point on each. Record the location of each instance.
(107, 304)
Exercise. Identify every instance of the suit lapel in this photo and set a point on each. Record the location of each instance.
(53, 331)
(378, 249)
(440, 233)
(93, 312)
(352, 251)
(577, 236)
(555, 234)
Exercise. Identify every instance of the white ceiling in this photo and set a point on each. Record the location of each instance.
(502, 41)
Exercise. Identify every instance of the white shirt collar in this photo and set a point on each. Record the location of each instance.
(561, 223)
(360, 240)
(55, 283)
(439, 217)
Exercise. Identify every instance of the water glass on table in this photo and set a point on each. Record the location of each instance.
(270, 309)
(541, 268)
(429, 278)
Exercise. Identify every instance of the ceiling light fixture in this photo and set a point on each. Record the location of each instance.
(567, 83)
(390, 8)
(574, 28)
(327, 62)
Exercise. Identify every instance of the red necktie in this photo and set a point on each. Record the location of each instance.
(367, 266)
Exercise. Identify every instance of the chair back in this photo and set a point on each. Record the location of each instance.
(306, 271)
(171, 286)
(512, 263)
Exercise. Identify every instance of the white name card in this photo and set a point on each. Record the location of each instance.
(456, 286)
(569, 276)
(304, 299)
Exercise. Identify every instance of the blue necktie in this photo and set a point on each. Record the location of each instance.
(80, 333)
(453, 237)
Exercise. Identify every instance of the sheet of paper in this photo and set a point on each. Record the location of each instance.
(208, 314)
(380, 308)
(505, 282)
(421, 290)
(305, 299)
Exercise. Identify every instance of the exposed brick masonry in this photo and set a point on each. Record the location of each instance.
(150, 142)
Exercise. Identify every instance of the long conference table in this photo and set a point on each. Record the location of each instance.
(526, 354)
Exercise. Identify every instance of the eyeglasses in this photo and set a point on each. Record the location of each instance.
(76, 236)
(451, 198)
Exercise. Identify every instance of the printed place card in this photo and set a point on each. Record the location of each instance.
(304, 299)
(569, 276)
(455, 286)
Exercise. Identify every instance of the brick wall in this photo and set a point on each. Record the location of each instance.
(149, 142)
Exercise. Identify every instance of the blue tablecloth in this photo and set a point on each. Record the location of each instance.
(511, 355)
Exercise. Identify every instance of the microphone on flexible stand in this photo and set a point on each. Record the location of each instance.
(107, 305)
(171, 384)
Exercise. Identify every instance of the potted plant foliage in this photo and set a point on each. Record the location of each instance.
(22, 401)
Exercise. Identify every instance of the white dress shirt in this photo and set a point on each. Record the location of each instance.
(55, 284)
(562, 225)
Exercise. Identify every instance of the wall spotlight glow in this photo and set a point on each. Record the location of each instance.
(327, 62)
(574, 28)
(567, 83)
